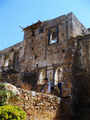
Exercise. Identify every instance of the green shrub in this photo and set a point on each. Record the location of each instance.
(5, 94)
(9, 112)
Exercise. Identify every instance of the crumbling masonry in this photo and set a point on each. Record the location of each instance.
(57, 49)
(48, 50)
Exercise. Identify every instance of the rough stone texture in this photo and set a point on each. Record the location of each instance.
(80, 79)
(12, 58)
(46, 54)
(81, 96)
(40, 55)
(38, 106)
(61, 61)
(9, 87)
(35, 54)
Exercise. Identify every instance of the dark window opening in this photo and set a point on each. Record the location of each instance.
(36, 65)
(36, 56)
(16, 61)
(30, 79)
(62, 34)
(12, 49)
(41, 30)
(63, 50)
(33, 33)
(32, 48)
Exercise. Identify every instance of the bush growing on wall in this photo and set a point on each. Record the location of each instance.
(6, 94)
(9, 112)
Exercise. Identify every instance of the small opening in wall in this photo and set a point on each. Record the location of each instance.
(36, 56)
(63, 50)
(80, 54)
(12, 49)
(33, 33)
(53, 35)
(41, 30)
(62, 34)
(36, 65)
(53, 38)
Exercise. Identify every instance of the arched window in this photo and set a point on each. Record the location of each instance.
(58, 75)
(6, 61)
(42, 75)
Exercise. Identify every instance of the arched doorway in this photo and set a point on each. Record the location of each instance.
(42, 75)
(58, 78)
(58, 75)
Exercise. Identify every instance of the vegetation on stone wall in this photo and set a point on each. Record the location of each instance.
(5, 94)
(9, 112)
(0, 76)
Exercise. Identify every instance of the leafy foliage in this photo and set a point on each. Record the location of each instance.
(5, 95)
(9, 112)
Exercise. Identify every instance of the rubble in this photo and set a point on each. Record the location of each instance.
(35, 103)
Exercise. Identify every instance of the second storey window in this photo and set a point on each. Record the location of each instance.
(53, 36)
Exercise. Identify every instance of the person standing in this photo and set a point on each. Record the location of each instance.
(60, 88)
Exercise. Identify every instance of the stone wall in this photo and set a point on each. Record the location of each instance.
(12, 58)
(36, 55)
(80, 95)
(11, 64)
(66, 61)
(40, 55)
(77, 27)
(81, 50)
(37, 48)
(80, 79)
(38, 106)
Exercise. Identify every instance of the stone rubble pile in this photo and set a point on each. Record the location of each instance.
(38, 106)
(39, 101)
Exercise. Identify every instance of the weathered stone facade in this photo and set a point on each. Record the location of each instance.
(12, 57)
(50, 50)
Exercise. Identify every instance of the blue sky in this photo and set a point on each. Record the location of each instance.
(15, 13)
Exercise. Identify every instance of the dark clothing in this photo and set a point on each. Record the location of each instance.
(60, 88)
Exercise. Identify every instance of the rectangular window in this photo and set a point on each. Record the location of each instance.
(53, 35)
(41, 29)
(33, 33)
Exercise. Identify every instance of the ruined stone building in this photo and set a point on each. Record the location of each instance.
(50, 49)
